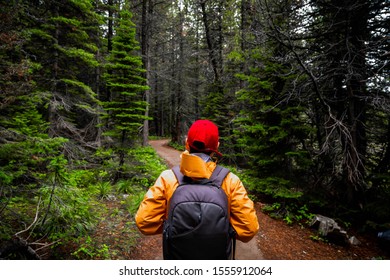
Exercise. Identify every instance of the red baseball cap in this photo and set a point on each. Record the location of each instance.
(203, 136)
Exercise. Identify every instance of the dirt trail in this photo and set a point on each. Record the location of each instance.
(151, 245)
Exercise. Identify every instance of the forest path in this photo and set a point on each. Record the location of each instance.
(151, 247)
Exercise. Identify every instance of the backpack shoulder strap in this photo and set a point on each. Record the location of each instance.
(219, 175)
(178, 174)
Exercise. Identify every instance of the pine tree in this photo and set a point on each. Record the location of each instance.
(125, 109)
(271, 130)
(272, 125)
(61, 39)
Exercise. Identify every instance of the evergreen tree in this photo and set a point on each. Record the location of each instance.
(272, 126)
(125, 109)
(61, 38)
(272, 130)
(47, 55)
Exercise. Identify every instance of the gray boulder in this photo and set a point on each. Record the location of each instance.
(329, 228)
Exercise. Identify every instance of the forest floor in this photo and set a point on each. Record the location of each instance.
(276, 240)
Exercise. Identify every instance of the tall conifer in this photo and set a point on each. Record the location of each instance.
(124, 112)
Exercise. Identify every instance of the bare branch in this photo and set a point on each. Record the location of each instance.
(33, 223)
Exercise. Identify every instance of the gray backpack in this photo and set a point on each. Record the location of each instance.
(198, 224)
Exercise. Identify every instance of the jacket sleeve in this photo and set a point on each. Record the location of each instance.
(242, 212)
(152, 210)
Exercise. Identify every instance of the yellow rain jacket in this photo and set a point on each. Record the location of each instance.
(153, 210)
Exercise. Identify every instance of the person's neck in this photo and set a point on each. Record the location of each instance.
(203, 156)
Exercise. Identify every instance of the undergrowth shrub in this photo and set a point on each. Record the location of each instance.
(104, 189)
(281, 202)
(70, 213)
(91, 250)
(149, 164)
(132, 202)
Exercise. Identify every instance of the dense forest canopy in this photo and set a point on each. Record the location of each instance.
(299, 89)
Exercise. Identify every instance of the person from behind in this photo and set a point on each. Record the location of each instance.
(196, 237)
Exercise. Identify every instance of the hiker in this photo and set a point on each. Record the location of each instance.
(197, 164)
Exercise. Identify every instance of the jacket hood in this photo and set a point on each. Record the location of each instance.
(195, 167)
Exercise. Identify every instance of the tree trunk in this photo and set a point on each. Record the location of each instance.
(110, 34)
(146, 11)
(210, 45)
(356, 88)
(179, 114)
(52, 111)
